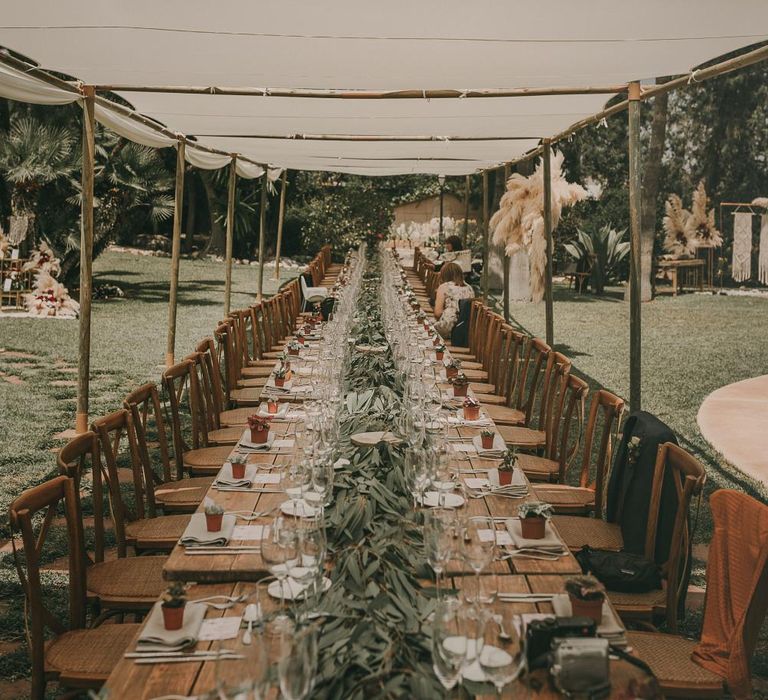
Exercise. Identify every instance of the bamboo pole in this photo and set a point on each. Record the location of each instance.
(377, 138)
(485, 236)
(547, 205)
(280, 218)
(467, 183)
(262, 231)
(86, 260)
(505, 257)
(635, 329)
(178, 203)
(230, 234)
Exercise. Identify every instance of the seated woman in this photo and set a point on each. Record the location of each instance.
(453, 245)
(452, 288)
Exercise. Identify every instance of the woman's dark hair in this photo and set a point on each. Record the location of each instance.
(455, 242)
(451, 272)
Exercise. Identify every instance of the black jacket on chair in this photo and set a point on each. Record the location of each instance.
(460, 332)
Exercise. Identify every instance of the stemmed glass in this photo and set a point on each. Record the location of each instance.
(438, 543)
(297, 667)
(418, 473)
(478, 545)
(279, 550)
(449, 645)
(444, 471)
(502, 657)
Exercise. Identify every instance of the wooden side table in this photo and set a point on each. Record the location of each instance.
(680, 272)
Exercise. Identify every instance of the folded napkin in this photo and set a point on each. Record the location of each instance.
(282, 411)
(197, 535)
(245, 441)
(271, 385)
(154, 636)
(459, 418)
(519, 484)
(498, 449)
(610, 627)
(225, 477)
(549, 543)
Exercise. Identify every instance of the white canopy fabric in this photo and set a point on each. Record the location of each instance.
(396, 45)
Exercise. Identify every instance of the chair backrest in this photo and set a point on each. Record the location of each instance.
(224, 336)
(535, 362)
(567, 420)
(46, 499)
(737, 588)
(149, 426)
(178, 380)
(212, 391)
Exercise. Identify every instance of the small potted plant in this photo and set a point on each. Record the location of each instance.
(471, 407)
(437, 340)
(214, 514)
(238, 463)
(587, 595)
(507, 467)
(273, 406)
(281, 376)
(452, 368)
(439, 351)
(294, 348)
(259, 429)
(533, 519)
(487, 436)
(460, 385)
(173, 603)
(300, 337)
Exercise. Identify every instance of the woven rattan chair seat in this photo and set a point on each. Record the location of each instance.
(85, 658)
(538, 468)
(261, 363)
(639, 605)
(526, 438)
(670, 658)
(482, 387)
(225, 436)
(235, 416)
(156, 533)
(252, 382)
(135, 582)
(249, 397)
(185, 494)
(261, 371)
(468, 364)
(577, 532)
(206, 457)
(566, 499)
(490, 399)
(503, 415)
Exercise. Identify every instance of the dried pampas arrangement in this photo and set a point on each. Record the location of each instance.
(43, 259)
(50, 298)
(519, 222)
(677, 241)
(5, 244)
(700, 225)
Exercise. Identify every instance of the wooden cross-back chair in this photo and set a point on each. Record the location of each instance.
(172, 492)
(510, 374)
(144, 528)
(125, 584)
(243, 392)
(77, 657)
(248, 366)
(602, 427)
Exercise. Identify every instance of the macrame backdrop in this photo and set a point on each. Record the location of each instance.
(742, 246)
(762, 261)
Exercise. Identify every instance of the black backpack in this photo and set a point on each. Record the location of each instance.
(460, 332)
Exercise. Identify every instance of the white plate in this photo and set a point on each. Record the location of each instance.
(433, 499)
(299, 508)
(293, 589)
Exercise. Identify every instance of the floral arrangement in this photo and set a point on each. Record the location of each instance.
(43, 259)
(175, 596)
(460, 380)
(585, 588)
(50, 298)
(700, 225)
(535, 509)
(281, 372)
(509, 461)
(258, 423)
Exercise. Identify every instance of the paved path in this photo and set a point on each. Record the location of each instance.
(734, 420)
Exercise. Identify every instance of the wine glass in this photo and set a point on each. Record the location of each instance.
(279, 550)
(449, 643)
(438, 543)
(298, 663)
(445, 472)
(247, 678)
(478, 546)
(502, 657)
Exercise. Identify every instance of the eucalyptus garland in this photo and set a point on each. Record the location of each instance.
(375, 640)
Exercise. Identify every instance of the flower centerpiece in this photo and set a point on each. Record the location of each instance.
(281, 375)
(452, 368)
(507, 466)
(439, 351)
(238, 463)
(587, 595)
(471, 407)
(533, 519)
(259, 429)
(214, 514)
(460, 384)
(487, 436)
(174, 601)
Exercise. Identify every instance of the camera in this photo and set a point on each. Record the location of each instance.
(540, 634)
(580, 667)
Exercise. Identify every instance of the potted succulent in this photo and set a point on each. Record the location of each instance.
(259, 429)
(471, 407)
(452, 368)
(460, 385)
(281, 376)
(439, 351)
(300, 337)
(437, 340)
(214, 514)
(273, 406)
(294, 348)
(533, 519)
(487, 436)
(238, 463)
(507, 467)
(174, 601)
(587, 595)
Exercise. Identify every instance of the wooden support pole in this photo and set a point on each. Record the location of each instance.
(86, 259)
(178, 204)
(262, 231)
(467, 184)
(230, 234)
(547, 206)
(280, 219)
(505, 257)
(486, 256)
(635, 327)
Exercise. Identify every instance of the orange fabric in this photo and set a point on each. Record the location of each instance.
(736, 582)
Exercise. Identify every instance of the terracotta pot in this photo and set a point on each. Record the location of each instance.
(505, 477)
(272, 406)
(426, 326)
(487, 441)
(471, 412)
(238, 470)
(451, 372)
(533, 528)
(300, 339)
(293, 352)
(587, 608)
(213, 521)
(460, 390)
(173, 618)
(259, 437)
(439, 355)
(436, 341)
(279, 381)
